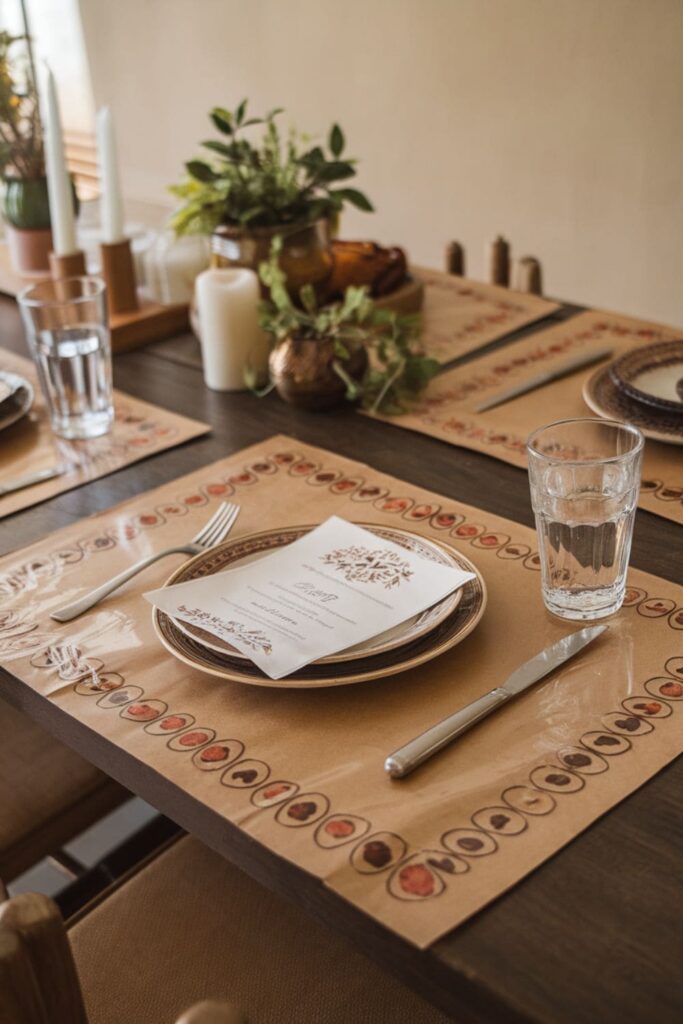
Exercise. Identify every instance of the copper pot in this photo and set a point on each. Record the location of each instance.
(303, 374)
(306, 257)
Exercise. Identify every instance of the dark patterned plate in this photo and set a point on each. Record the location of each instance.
(601, 394)
(450, 631)
(652, 374)
(241, 551)
(16, 398)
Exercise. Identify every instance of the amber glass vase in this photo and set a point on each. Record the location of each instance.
(306, 255)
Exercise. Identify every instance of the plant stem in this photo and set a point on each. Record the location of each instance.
(389, 382)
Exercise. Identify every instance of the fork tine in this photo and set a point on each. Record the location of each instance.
(221, 529)
(228, 525)
(216, 527)
(199, 536)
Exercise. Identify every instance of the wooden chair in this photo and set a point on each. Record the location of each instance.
(47, 793)
(523, 274)
(186, 927)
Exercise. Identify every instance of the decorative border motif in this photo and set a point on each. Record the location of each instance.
(505, 312)
(410, 875)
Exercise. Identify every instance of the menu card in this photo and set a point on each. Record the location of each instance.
(334, 588)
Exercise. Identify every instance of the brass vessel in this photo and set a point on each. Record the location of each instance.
(303, 374)
(306, 256)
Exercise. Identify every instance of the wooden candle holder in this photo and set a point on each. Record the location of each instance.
(134, 321)
(119, 275)
(71, 265)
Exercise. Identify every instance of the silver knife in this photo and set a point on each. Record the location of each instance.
(408, 757)
(30, 479)
(578, 363)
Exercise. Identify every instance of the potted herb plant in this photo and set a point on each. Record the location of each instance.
(348, 349)
(247, 193)
(22, 162)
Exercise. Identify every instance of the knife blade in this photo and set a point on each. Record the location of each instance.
(30, 479)
(408, 757)
(546, 377)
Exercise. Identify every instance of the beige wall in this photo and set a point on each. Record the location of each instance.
(556, 122)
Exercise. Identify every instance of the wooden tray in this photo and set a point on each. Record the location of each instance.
(151, 322)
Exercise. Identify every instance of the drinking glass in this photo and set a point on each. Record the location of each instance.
(584, 476)
(68, 335)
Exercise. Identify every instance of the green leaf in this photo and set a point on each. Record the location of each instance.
(356, 198)
(308, 300)
(313, 158)
(336, 141)
(222, 120)
(200, 171)
(225, 149)
(240, 112)
(335, 170)
(251, 214)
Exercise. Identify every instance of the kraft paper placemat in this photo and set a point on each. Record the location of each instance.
(420, 855)
(459, 315)
(446, 409)
(139, 430)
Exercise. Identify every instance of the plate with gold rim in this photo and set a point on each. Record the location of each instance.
(395, 654)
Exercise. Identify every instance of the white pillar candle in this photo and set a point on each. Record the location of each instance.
(227, 306)
(58, 181)
(111, 202)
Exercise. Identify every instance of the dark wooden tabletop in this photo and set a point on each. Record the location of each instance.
(594, 935)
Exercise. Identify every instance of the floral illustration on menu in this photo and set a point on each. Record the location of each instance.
(252, 638)
(361, 565)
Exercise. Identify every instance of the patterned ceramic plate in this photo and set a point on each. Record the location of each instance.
(238, 553)
(653, 374)
(16, 398)
(459, 621)
(602, 395)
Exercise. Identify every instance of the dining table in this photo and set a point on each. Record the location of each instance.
(594, 933)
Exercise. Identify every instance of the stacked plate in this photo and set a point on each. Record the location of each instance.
(643, 387)
(16, 398)
(415, 641)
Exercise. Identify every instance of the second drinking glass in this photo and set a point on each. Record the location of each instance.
(584, 476)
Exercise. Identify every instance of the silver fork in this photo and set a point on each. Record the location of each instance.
(215, 531)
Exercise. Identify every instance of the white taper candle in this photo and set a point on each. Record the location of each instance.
(58, 181)
(111, 203)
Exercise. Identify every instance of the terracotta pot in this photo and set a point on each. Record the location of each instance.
(26, 210)
(306, 255)
(29, 249)
(303, 374)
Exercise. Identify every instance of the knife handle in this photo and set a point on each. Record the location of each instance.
(408, 757)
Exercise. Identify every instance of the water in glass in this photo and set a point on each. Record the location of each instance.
(584, 518)
(66, 328)
(74, 369)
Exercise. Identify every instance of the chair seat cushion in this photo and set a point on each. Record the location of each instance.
(190, 926)
(48, 794)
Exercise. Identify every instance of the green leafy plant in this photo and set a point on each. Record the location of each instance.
(398, 368)
(276, 182)
(21, 139)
